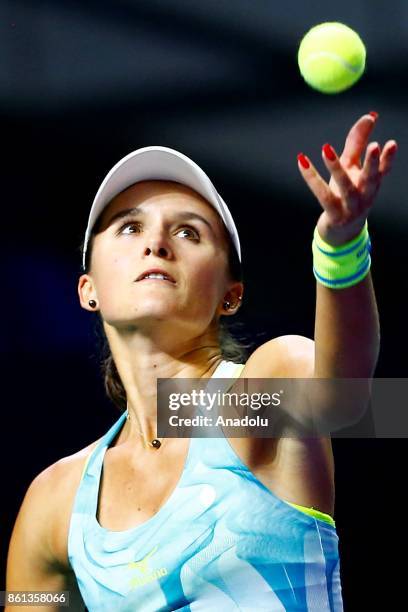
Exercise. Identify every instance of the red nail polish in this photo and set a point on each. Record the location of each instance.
(373, 114)
(393, 148)
(302, 159)
(329, 152)
(375, 152)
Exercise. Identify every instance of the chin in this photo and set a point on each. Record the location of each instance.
(152, 310)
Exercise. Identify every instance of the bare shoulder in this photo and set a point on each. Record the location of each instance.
(306, 463)
(71, 463)
(290, 356)
(37, 553)
(47, 506)
(59, 476)
(64, 477)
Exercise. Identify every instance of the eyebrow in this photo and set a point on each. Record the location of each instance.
(182, 216)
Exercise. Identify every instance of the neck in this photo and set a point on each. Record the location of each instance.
(141, 362)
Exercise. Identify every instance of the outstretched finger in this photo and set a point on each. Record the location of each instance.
(346, 187)
(387, 156)
(370, 176)
(319, 187)
(357, 139)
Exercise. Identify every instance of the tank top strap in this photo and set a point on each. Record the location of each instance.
(86, 498)
(214, 443)
(228, 369)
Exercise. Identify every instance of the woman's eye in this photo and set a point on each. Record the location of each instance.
(126, 225)
(191, 231)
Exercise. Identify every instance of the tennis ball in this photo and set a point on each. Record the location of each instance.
(331, 57)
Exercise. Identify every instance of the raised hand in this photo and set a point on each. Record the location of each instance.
(349, 196)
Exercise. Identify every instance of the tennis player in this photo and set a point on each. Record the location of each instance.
(135, 522)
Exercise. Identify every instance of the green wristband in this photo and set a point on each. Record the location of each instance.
(342, 266)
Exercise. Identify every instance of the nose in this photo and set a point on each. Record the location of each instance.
(157, 244)
(160, 251)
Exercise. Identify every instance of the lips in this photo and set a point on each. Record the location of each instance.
(168, 276)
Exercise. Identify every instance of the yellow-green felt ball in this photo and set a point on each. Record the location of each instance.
(331, 57)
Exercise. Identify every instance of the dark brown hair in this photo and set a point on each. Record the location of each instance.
(232, 348)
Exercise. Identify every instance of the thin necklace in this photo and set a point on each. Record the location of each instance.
(155, 443)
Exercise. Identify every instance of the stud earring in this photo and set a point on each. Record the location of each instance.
(227, 305)
(92, 303)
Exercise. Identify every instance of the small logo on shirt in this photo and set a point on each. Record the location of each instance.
(145, 573)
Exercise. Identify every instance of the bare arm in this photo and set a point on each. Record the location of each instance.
(31, 562)
(347, 331)
(347, 328)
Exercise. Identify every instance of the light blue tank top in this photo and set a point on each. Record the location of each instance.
(221, 542)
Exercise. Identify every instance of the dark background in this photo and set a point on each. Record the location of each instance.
(84, 83)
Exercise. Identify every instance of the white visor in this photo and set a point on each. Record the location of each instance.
(158, 163)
